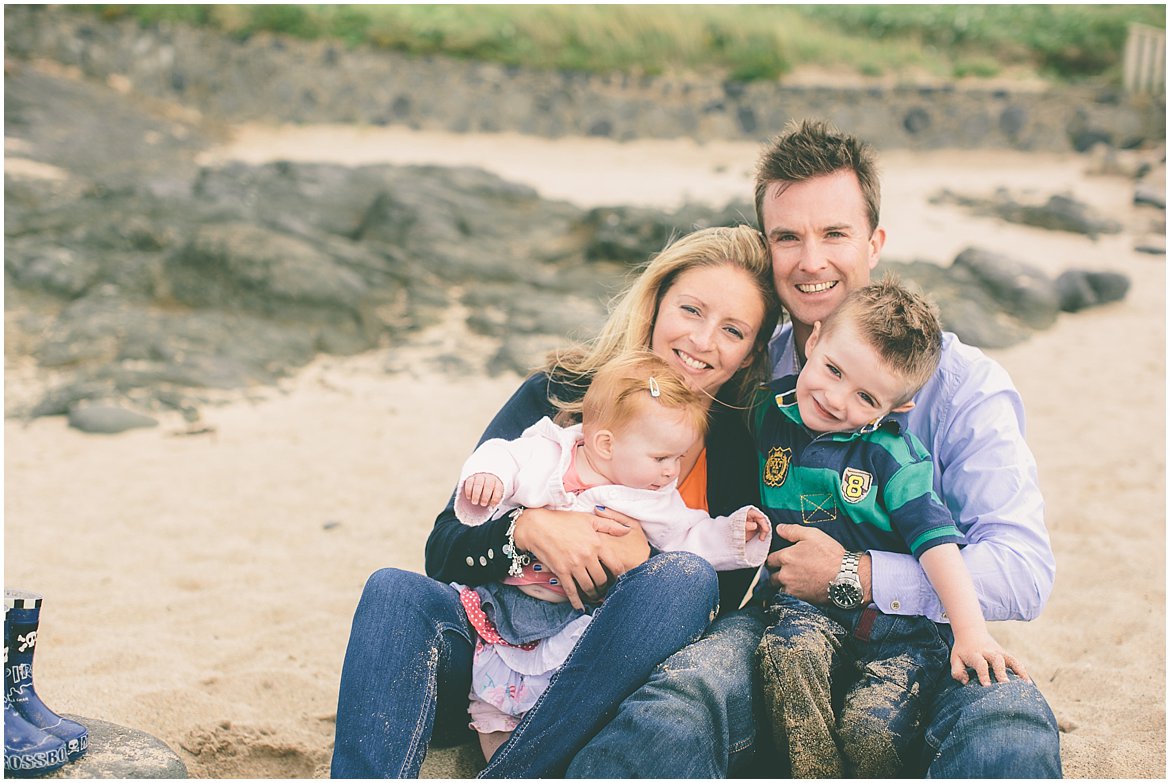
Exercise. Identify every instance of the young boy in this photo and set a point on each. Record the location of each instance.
(834, 455)
(639, 420)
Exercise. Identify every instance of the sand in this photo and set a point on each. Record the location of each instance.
(201, 587)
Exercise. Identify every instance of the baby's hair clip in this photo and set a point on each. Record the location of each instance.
(654, 390)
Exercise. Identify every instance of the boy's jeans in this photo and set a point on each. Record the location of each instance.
(407, 669)
(704, 699)
(843, 688)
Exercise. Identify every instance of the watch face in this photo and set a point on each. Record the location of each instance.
(845, 594)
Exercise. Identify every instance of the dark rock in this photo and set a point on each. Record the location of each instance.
(60, 271)
(965, 306)
(1084, 139)
(118, 752)
(1154, 247)
(632, 234)
(600, 128)
(87, 331)
(1063, 213)
(1058, 213)
(401, 106)
(1149, 195)
(1075, 292)
(746, 116)
(247, 272)
(1012, 120)
(244, 266)
(1022, 292)
(916, 121)
(108, 419)
(1079, 289)
(60, 399)
(304, 199)
(623, 233)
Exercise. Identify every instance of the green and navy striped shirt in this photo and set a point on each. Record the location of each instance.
(870, 489)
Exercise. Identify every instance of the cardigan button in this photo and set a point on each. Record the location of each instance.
(470, 561)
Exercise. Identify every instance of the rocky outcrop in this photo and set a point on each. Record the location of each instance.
(1059, 212)
(994, 301)
(139, 281)
(273, 78)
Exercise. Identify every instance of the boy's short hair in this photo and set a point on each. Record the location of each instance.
(901, 325)
(812, 148)
(625, 384)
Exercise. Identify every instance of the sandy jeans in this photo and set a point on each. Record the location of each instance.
(843, 689)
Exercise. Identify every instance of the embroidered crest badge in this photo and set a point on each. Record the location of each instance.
(855, 484)
(776, 466)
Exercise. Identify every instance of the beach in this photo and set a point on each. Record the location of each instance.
(199, 584)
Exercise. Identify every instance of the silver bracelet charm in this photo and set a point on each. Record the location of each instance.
(519, 557)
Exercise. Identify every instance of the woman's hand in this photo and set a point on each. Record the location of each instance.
(625, 543)
(569, 544)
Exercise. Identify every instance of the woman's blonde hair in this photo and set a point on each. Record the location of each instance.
(633, 312)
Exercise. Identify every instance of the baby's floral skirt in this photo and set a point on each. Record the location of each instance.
(506, 680)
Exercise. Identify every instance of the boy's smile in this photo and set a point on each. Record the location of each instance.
(844, 384)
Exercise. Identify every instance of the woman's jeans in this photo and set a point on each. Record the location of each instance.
(407, 669)
(700, 716)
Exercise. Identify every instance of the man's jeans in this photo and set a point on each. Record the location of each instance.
(407, 669)
(697, 717)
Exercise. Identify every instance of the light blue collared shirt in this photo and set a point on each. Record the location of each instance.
(971, 418)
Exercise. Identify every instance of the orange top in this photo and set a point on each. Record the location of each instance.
(694, 488)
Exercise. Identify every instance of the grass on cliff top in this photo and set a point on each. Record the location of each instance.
(1061, 42)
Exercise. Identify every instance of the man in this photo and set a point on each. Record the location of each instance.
(818, 203)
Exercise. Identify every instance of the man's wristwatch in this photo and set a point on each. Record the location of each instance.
(845, 589)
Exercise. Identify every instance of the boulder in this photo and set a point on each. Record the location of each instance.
(121, 753)
(1020, 291)
(1058, 213)
(107, 419)
(1078, 289)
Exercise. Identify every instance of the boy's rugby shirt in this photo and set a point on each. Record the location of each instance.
(868, 489)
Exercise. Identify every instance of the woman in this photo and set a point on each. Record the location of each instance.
(706, 305)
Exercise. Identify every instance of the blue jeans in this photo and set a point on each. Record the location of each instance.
(407, 669)
(697, 717)
(843, 688)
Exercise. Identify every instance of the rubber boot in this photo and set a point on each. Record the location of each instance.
(21, 617)
(28, 751)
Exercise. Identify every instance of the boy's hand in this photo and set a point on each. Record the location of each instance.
(985, 656)
(757, 524)
(483, 489)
